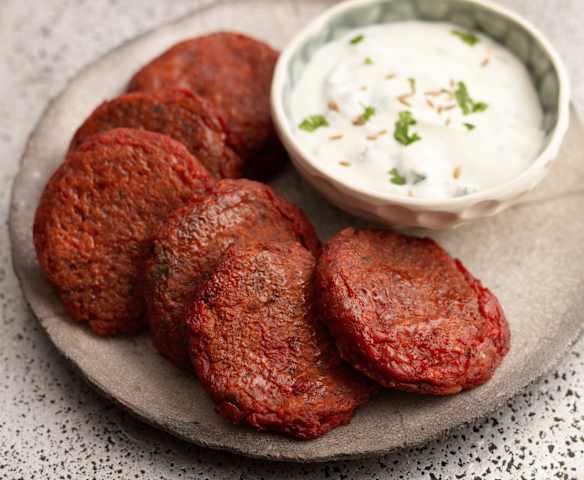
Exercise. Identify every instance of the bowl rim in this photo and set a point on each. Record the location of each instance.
(520, 184)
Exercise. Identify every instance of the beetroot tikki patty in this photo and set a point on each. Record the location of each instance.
(233, 71)
(96, 218)
(259, 350)
(190, 243)
(191, 120)
(408, 315)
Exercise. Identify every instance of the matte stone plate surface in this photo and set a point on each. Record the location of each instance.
(532, 257)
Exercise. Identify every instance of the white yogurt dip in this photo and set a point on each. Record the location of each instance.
(420, 109)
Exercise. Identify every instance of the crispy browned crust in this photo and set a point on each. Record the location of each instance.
(407, 314)
(260, 351)
(234, 71)
(187, 118)
(96, 218)
(193, 238)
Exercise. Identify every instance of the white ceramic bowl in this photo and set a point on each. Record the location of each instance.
(525, 41)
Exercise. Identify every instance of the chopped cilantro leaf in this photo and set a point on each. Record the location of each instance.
(412, 82)
(467, 37)
(396, 178)
(365, 116)
(369, 112)
(368, 61)
(357, 39)
(313, 122)
(402, 126)
(466, 103)
(470, 126)
(479, 107)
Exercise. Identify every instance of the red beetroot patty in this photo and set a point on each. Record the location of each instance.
(407, 314)
(259, 350)
(232, 70)
(191, 120)
(96, 218)
(190, 242)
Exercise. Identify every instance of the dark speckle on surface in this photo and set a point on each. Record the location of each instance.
(53, 425)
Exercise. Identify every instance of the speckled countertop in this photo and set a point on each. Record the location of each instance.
(52, 425)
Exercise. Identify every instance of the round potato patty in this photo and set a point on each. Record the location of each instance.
(96, 218)
(259, 350)
(408, 315)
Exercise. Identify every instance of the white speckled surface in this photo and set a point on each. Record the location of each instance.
(52, 425)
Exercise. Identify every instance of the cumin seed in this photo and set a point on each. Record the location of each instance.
(402, 99)
(334, 106)
(375, 136)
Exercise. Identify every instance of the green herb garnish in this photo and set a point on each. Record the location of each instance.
(402, 126)
(466, 103)
(357, 39)
(310, 124)
(470, 126)
(467, 37)
(412, 82)
(368, 61)
(396, 178)
(365, 116)
(479, 107)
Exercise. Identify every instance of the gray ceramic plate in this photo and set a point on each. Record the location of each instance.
(531, 256)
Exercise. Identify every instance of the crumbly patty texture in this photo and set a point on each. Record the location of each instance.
(233, 71)
(96, 218)
(192, 240)
(260, 351)
(407, 314)
(191, 120)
